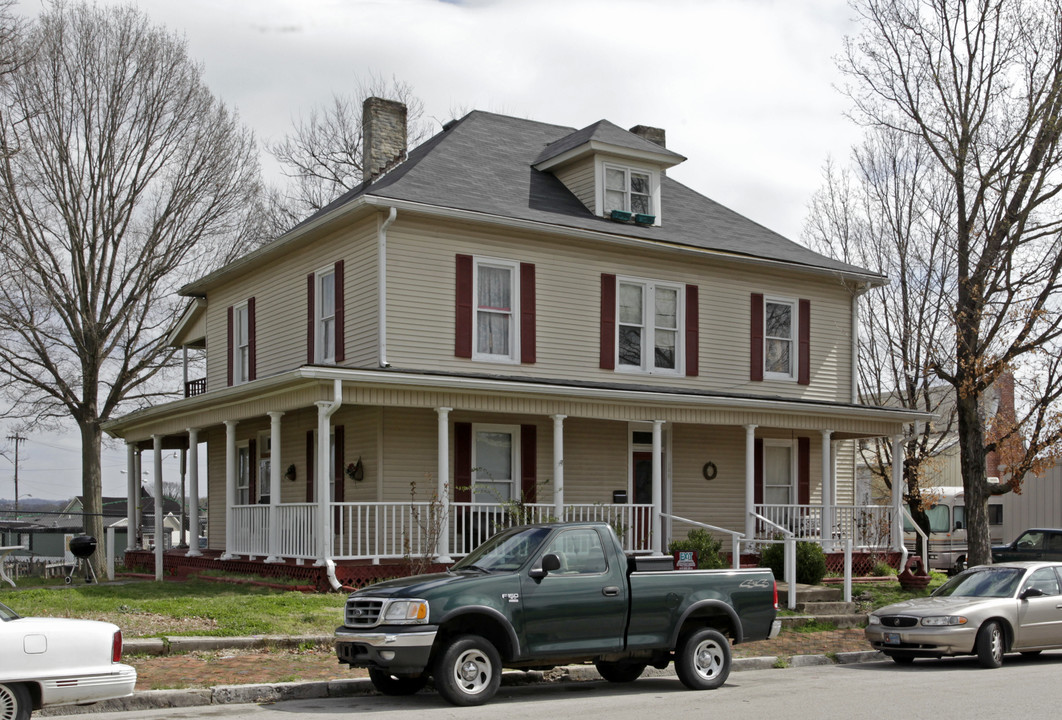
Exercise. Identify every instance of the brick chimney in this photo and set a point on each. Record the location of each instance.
(383, 130)
(1005, 414)
(652, 134)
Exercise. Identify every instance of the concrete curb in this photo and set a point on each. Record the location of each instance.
(278, 692)
(175, 644)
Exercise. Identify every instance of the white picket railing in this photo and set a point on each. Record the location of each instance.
(297, 530)
(250, 530)
(866, 525)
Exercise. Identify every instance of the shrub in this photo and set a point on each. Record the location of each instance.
(810, 562)
(706, 547)
(882, 569)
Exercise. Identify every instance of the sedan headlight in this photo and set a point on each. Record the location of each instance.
(406, 612)
(941, 620)
(873, 620)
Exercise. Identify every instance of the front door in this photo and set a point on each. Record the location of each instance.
(642, 486)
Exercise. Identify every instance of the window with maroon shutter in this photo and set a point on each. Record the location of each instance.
(340, 478)
(608, 322)
(311, 449)
(252, 474)
(693, 325)
(463, 307)
(462, 462)
(239, 332)
(528, 330)
(528, 463)
(803, 470)
(310, 319)
(756, 337)
(230, 349)
(757, 470)
(804, 354)
(252, 343)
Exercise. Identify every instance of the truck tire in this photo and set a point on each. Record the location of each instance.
(703, 660)
(623, 671)
(989, 645)
(388, 684)
(15, 702)
(468, 670)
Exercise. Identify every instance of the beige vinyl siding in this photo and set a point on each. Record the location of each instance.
(719, 502)
(579, 179)
(421, 309)
(596, 460)
(279, 290)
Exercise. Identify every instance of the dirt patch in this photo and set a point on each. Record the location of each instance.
(136, 623)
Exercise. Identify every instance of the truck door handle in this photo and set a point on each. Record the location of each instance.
(610, 591)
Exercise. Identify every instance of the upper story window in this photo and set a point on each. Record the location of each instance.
(648, 321)
(326, 316)
(779, 334)
(496, 328)
(241, 338)
(628, 189)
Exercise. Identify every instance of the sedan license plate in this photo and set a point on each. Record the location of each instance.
(892, 638)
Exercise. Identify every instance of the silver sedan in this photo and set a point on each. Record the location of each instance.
(985, 611)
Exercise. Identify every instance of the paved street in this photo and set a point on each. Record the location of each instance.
(955, 688)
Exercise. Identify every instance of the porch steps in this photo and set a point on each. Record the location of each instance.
(816, 603)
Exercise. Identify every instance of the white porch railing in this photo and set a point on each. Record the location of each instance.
(868, 526)
(251, 530)
(297, 530)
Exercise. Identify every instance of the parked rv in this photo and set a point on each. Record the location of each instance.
(947, 528)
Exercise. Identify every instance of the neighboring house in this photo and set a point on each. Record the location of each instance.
(518, 311)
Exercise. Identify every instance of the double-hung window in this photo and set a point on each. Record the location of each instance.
(496, 332)
(243, 474)
(495, 461)
(779, 336)
(648, 321)
(778, 472)
(629, 190)
(241, 338)
(326, 316)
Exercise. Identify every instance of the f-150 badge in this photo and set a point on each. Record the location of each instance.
(511, 597)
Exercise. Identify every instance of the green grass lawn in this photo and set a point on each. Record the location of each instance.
(878, 595)
(193, 607)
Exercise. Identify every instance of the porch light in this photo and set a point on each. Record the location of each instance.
(290, 474)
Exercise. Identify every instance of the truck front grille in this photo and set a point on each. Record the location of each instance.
(363, 612)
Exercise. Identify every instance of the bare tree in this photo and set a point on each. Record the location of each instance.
(121, 177)
(979, 86)
(322, 154)
(889, 211)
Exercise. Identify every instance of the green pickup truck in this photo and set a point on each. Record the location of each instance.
(538, 596)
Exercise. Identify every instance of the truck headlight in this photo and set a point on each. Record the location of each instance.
(941, 620)
(406, 612)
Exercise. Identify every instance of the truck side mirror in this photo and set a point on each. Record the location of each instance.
(550, 562)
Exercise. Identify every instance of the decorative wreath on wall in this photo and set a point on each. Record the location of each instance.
(709, 470)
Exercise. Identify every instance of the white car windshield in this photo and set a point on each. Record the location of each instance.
(988, 582)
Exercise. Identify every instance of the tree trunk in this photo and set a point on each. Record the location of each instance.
(92, 489)
(972, 464)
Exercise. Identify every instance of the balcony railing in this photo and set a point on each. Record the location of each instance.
(195, 387)
(867, 525)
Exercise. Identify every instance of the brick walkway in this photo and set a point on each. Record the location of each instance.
(208, 669)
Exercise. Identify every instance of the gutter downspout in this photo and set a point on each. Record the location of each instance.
(325, 410)
(381, 285)
(859, 291)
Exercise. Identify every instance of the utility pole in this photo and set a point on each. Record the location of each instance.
(18, 440)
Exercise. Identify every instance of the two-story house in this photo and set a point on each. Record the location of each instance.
(518, 312)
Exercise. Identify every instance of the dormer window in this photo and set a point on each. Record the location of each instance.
(628, 190)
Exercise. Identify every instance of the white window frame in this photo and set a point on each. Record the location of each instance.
(514, 482)
(264, 448)
(513, 356)
(321, 320)
(794, 338)
(654, 186)
(792, 486)
(649, 329)
(243, 474)
(241, 343)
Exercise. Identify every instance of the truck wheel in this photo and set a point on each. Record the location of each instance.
(15, 703)
(989, 645)
(703, 660)
(468, 671)
(388, 684)
(620, 672)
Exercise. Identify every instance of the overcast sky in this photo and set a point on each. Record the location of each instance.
(746, 90)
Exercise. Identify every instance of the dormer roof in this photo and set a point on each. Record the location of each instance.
(604, 137)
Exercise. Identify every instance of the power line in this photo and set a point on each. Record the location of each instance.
(18, 440)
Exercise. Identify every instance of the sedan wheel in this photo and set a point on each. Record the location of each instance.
(15, 702)
(989, 645)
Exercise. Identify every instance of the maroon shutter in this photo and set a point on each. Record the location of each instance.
(803, 471)
(229, 334)
(608, 321)
(311, 355)
(757, 471)
(252, 475)
(462, 462)
(341, 349)
(528, 462)
(527, 313)
(756, 338)
(310, 450)
(804, 354)
(693, 323)
(252, 343)
(463, 308)
(340, 463)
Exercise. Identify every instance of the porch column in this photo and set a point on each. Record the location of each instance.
(827, 489)
(558, 466)
(193, 491)
(230, 488)
(274, 487)
(442, 549)
(157, 441)
(750, 481)
(131, 496)
(897, 491)
(139, 495)
(322, 468)
(658, 475)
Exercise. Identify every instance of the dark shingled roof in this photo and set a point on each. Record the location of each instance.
(483, 163)
(605, 132)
